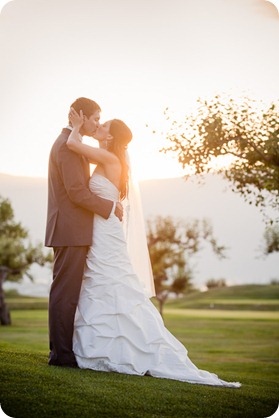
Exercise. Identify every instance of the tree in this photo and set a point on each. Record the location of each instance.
(171, 244)
(16, 254)
(244, 135)
(271, 240)
(215, 283)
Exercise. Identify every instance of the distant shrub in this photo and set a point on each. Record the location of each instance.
(213, 283)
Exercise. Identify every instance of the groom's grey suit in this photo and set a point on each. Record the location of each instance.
(69, 229)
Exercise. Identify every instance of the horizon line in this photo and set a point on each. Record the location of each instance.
(45, 177)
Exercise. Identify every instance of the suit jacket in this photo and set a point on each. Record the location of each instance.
(71, 204)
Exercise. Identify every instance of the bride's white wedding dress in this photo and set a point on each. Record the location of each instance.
(117, 327)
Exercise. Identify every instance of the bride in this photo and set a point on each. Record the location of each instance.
(117, 328)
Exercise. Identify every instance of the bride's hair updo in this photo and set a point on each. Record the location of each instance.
(122, 135)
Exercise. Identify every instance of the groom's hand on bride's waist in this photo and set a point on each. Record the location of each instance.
(118, 211)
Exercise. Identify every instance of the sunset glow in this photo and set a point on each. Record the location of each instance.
(275, 3)
(120, 54)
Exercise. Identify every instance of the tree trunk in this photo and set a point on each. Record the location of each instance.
(161, 304)
(162, 297)
(5, 317)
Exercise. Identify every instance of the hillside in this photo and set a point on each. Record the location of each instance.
(245, 297)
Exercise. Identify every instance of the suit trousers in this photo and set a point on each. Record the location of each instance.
(68, 272)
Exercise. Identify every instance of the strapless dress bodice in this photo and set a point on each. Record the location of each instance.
(103, 187)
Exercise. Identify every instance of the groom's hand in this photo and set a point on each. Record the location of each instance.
(119, 211)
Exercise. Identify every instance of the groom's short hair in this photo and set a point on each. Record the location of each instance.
(87, 106)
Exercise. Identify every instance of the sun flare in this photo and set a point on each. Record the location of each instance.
(275, 3)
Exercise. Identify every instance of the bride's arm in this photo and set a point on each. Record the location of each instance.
(95, 155)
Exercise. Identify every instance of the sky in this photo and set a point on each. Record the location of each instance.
(135, 58)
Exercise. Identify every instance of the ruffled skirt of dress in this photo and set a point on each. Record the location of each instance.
(117, 328)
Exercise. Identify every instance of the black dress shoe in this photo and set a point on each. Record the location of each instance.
(71, 365)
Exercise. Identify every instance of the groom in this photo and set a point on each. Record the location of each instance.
(71, 206)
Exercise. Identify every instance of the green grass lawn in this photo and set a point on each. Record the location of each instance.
(238, 346)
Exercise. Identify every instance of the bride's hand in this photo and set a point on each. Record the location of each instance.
(76, 119)
(119, 211)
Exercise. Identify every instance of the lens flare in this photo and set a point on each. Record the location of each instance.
(275, 3)
(2, 4)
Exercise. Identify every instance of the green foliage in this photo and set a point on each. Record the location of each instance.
(212, 283)
(243, 134)
(271, 240)
(171, 244)
(16, 253)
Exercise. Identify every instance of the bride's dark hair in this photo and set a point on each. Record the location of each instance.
(122, 135)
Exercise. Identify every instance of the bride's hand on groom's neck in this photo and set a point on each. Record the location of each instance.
(76, 119)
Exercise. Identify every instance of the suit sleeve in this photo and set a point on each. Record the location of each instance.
(71, 170)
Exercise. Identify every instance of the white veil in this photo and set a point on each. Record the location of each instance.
(134, 228)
